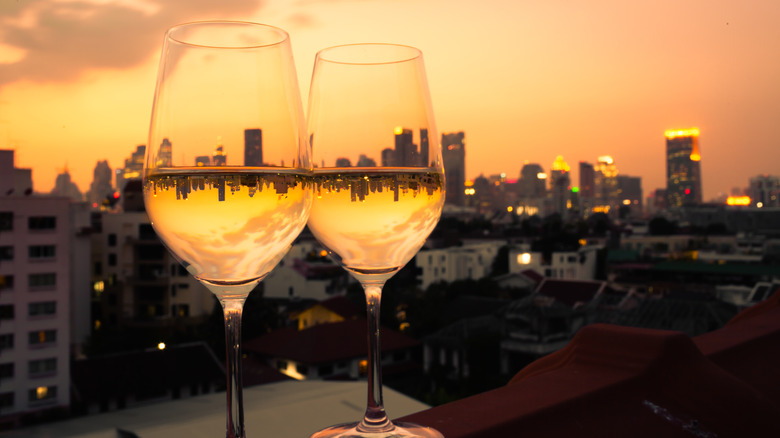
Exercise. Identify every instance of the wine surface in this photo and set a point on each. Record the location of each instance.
(374, 220)
(228, 225)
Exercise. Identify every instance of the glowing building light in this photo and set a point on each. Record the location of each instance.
(606, 159)
(399, 130)
(509, 209)
(323, 253)
(738, 200)
(41, 392)
(560, 165)
(541, 175)
(691, 132)
(575, 189)
(524, 258)
(626, 202)
(161, 346)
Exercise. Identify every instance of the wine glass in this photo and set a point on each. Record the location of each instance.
(227, 180)
(378, 184)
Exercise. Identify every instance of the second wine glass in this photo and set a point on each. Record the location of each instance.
(378, 185)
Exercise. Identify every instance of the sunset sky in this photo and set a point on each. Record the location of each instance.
(526, 80)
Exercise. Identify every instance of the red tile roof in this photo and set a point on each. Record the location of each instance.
(325, 342)
(614, 381)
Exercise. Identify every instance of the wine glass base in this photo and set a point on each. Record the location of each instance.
(400, 430)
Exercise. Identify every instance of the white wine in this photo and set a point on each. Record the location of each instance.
(374, 220)
(228, 225)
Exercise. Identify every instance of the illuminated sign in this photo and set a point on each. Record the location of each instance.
(692, 132)
(738, 200)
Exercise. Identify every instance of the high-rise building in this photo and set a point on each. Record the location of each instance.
(560, 181)
(606, 186)
(253, 147)
(219, 158)
(764, 191)
(133, 169)
(454, 156)
(587, 180)
(64, 186)
(164, 154)
(405, 149)
(683, 171)
(630, 194)
(41, 280)
(101, 183)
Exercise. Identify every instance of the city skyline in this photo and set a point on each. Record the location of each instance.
(525, 82)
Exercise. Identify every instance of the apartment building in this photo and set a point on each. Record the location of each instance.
(470, 261)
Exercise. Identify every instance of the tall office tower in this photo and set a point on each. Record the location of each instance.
(764, 191)
(388, 158)
(683, 171)
(424, 159)
(202, 160)
(64, 186)
(559, 185)
(532, 181)
(133, 169)
(587, 180)
(101, 183)
(219, 158)
(606, 186)
(630, 194)
(364, 161)
(454, 156)
(164, 154)
(405, 149)
(343, 162)
(253, 147)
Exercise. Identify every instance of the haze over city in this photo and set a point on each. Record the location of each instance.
(525, 81)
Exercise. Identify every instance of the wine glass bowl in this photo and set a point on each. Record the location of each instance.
(378, 184)
(227, 179)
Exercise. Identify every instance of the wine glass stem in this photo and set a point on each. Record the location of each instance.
(375, 419)
(232, 309)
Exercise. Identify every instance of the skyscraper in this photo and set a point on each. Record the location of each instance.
(253, 147)
(454, 156)
(405, 149)
(683, 172)
(133, 168)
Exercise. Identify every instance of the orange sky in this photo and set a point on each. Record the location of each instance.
(526, 80)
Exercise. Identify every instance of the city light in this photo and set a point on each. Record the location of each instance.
(692, 132)
(738, 200)
(161, 346)
(524, 258)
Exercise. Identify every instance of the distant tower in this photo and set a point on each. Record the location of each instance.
(587, 180)
(165, 154)
(559, 185)
(423, 159)
(405, 149)
(253, 147)
(454, 156)
(683, 171)
(219, 158)
(606, 185)
(101, 183)
(532, 181)
(133, 168)
(64, 186)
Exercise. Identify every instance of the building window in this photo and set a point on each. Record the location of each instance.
(6, 370)
(42, 308)
(180, 310)
(43, 337)
(38, 252)
(112, 260)
(6, 220)
(325, 370)
(42, 393)
(41, 367)
(6, 282)
(47, 280)
(42, 223)
(112, 239)
(6, 341)
(6, 311)
(6, 400)
(6, 252)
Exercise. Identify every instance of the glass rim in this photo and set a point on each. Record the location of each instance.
(403, 53)
(281, 34)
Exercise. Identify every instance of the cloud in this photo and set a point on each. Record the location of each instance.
(61, 39)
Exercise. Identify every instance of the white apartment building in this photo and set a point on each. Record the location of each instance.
(569, 265)
(470, 261)
(36, 288)
(297, 276)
